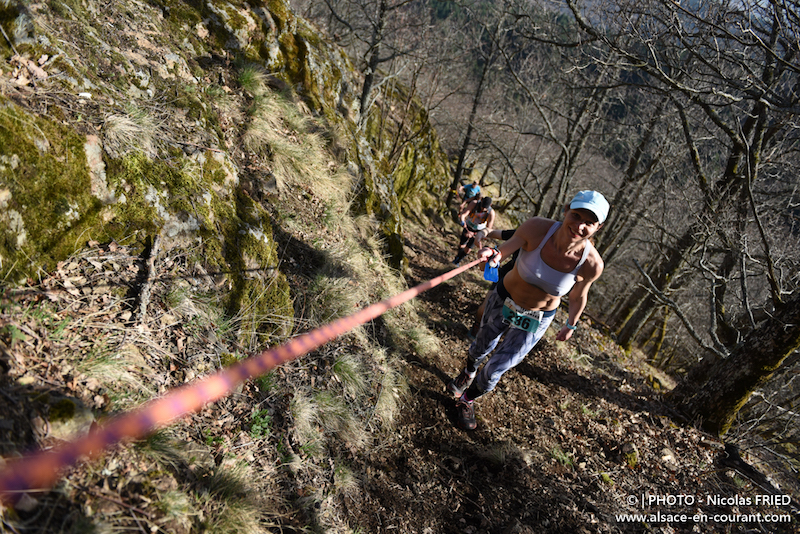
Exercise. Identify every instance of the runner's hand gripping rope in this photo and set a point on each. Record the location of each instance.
(491, 255)
(490, 272)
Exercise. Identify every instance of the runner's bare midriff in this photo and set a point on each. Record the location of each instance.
(528, 296)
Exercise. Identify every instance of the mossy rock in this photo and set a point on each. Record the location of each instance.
(69, 418)
(47, 209)
(53, 201)
(74, 193)
(406, 178)
(259, 300)
(235, 231)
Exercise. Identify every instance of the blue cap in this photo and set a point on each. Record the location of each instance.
(592, 201)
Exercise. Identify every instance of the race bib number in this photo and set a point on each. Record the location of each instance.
(517, 317)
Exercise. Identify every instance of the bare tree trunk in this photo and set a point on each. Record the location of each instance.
(617, 225)
(465, 144)
(716, 389)
(660, 334)
(641, 303)
(718, 198)
(373, 55)
(636, 318)
(571, 149)
(744, 132)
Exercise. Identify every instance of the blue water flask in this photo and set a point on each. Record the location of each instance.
(490, 273)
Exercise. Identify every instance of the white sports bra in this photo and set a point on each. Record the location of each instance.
(535, 271)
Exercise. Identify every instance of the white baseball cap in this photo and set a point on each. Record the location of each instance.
(592, 201)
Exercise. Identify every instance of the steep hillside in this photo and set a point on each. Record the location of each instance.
(123, 121)
(183, 185)
(353, 437)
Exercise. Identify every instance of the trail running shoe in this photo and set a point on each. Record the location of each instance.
(459, 384)
(466, 414)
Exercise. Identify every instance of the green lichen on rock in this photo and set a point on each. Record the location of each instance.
(315, 69)
(259, 300)
(51, 206)
(47, 210)
(140, 186)
(377, 197)
(204, 200)
(421, 172)
(411, 150)
(324, 77)
(95, 190)
(62, 410)
(401, 164)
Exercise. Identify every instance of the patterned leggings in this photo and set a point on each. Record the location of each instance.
(510, 352)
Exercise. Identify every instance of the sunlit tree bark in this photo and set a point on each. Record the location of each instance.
(716, 389)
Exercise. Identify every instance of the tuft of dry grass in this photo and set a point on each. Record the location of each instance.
(135, 131)
(178, 509)
(124, 372)
(279, 132)
(390, 399)
(304, 414)
(234, 517)
(325, 415)
(344, 480)
(336, 418)
(253, 79)
(160, 447)
(351, 373)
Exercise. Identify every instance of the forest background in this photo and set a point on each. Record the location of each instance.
(684, 116)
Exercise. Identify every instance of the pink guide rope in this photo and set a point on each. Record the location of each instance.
(42, 469)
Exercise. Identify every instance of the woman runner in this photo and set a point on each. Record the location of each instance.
(476, 216)
(555, 259)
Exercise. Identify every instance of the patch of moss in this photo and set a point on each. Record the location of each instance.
(63, 410)
(282, 15)
(290, 47)
(233, 27)
(226, 359)
(59, 8)
(9, 12)
(179, 14)
(48, 210)
(187, 98)
(137, 181)
(632, 459)
(196, 109)
(235, 233)
(260, 299)
(153, 192)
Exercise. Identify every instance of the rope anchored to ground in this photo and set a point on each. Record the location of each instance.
(40, 470)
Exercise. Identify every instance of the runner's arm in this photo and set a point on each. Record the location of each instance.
(465, 211)
(521, 238)
(490, 222)
(579, 297)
